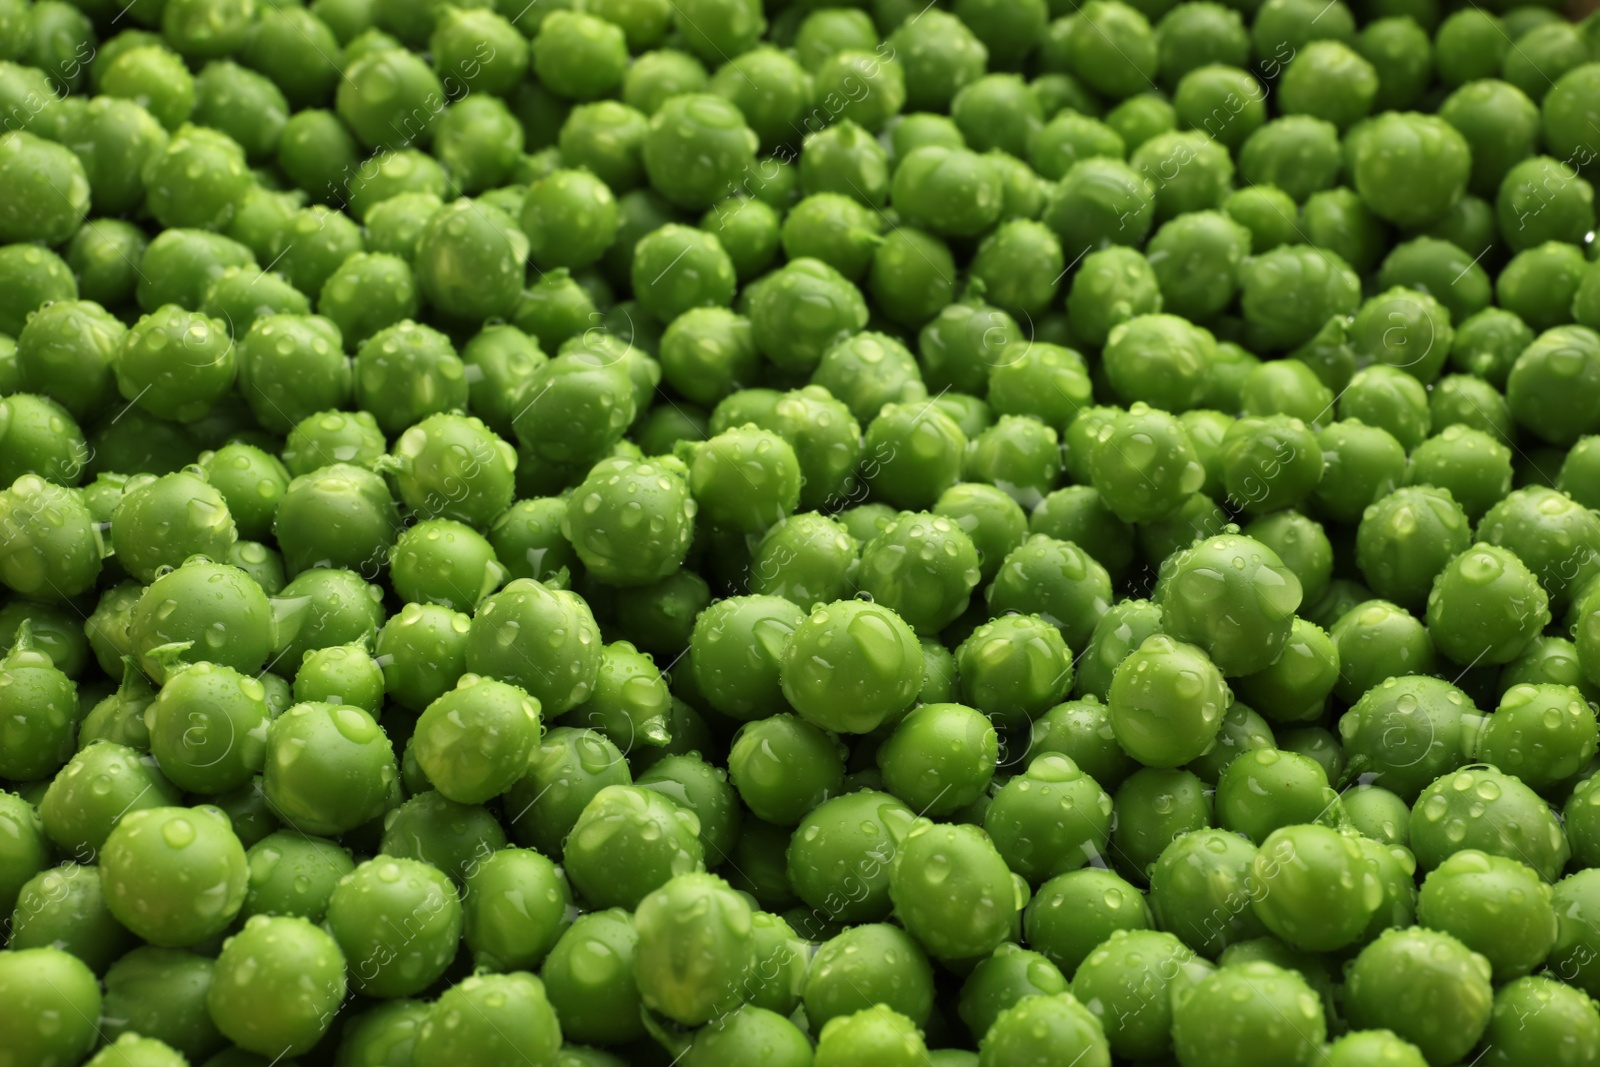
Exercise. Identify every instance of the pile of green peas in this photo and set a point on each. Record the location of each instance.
(992, 533)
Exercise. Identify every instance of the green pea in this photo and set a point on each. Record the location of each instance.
(1166, 702)
(65, 908)
(278, 983)
(1495, 606)
(329, 768)
(208, 727)
(1266, 789)
(783, 767)
(1202, 887)
(161, 994)
(1249, 1013)
(1543, 199)
(840, 855)
(870, 650)
(152, 852)
(877, 1034)
(47, 983)
(952, 890)
(1314, 283)
(628, 842)
(292, 874)
(1074, 913)
(292, 367)
(1195, 258)
(1133, 998)
(1189, 37)
(656, 76)
(389, 98)
(1405, 972)
(939, 758)
(1050, 819)
(589, 979)
(525, 610)
(1153, 807)
(398, 923)
(387, 1029)
(1259, 608)
(1458, 812)
(748, 1031)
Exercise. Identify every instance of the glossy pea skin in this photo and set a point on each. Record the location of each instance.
(1050, 819)
(90, 795)
(292, 874)
(1484, 626)
(939, 758)
(1424, 986)
(952, 890)
(329, 768)
(65, 908)
(566, 770)
(1261, 597)
(1395, 557)
(1202, 888)
(1540, 733)
(1516, 936)
(474, 742)
(627, 842)
(866, 646)
(525, 607)
(1143, 464)
(208, 728)
(588, 978)
(1014, 667)
(1562, 1025)
(278, 983)
(840, 856)
(148, 853)
(1251, 1013)
(38, 705)
(522, 1022)
(922, 567)
(49, 983)
(1074, 913)
(1152, 807)
(1481, 808)
(384, 959)
(1377, 640)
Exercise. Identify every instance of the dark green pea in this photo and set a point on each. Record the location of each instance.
(279, 982)
(848, 160)
(196, 179)
(961, 347)
(1298, 154)
(65, 908)
(630, 703)
(1317, 281)
(1257, 595)
(396, 173)
(469, 262)
(840, 855)
(422, 652)
(769, 88)
(1142, 463)
(47, 983)
(1543, 199)
(240, 295)
(1188, 171)
(368, 292)
(1242, 732)
(525, 610)
(1050, 819)
(1328, 80)
(1282, 27)
(997, 111)
(1469, 45)
(785, 313)
(968, 412)
(365, 916)
(1578, 821)
(448, 836)
(160, 522)
(1389, 399)
(566, 770)
(179, 264)
(1399, 50)
(161, 994)
(1111, 287)
(208, 727)
(835, 229)
(40, 438)
(1202, 888)
(1469, 464)
(119, 718)
(1098, 202)
(656, 76)
(480, 49)
(994, 522)
(1279, 1012)
(1446, 271)
(1270, 463)
(589, 979)
(318, 154)
(245, 105)
(1337, 219)
(1500, 124)
(806, 559)
(1539, 284)
(783, 767)
(514, 909)
(1292, 386)
(326, 608)
(1265, 789)
(1189, 37)
(1131, 60)
(1130, 982)
(952, 890)
(1551, 383)
(1406, 971)
(952, 192)
(92, 793)
(54, 629)
(748, 230)
(1464, 400)
(696, 148)
(1074, 913)
(913, 454)
(1018, 454)
(339, 516)
(1480, 808)
(1195, 258)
